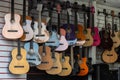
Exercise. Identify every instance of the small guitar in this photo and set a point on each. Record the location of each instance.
(114, 35)
(33, 56)
(26, 23)
(66, 67)
(41, 34)
(56, 67)
(109, 56)
(53, 40)
(19, 64)
(12, 25)
(79, 28)
(83, 63)
(106, 41)
(46, 59)
(95, 31)
(70, 29)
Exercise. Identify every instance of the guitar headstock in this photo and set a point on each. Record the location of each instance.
(58, 7)
(75, 7)
(112, 13)
(39, 6)
(105, 12)
(92, 10)
(50, 6)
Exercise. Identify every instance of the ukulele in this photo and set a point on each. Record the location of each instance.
(114, 35)
(80, 35)
(18, 64)
(26, 23)
(41, 34)
(106, 41)
(46, 59)
(62, 40)
(70, 29)
(31, 47)
(109, 56)
(12, 25)
(53, 40)
(56, 67)
(66, 67)
(95, 31)
(83, 63)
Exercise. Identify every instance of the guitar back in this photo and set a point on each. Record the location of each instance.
(33, 56)
(83, 67)
(57, 67)
(96, 37)
(66, 67)
(46, 59)
(89, 38)
(19, 66)
(109, 56)
(12, 28)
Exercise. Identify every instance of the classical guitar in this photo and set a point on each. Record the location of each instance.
(12, 25)
(114, 35)
(83, 63)
(87, 33)
(79, 28)
(109, 56)
(18, 64)
(66, 67)
(41, 34)
(33, 56)
(46, 58)
(63, 42)
(53, 40)
(56, 67)
(95, 31)
(106, 41)
(70, 28)
(26, 23)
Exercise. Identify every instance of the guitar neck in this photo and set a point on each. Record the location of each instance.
(58, 30)
(85, 26)
(72, 57)
(12, 10)
(24, 12)
(39, 22)
(19, 51)
(76, 21)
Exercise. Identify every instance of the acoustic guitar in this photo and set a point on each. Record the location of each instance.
(109, 56)
(106, 41)
(95, 31)
(70, 28)
(33, 56)
(12, 25)
(56, 67)
(46, 58)
(83, 63)
(66, 67)
(41, 34)
(26, 23)
(18, 64)
(114, 35)
(53, 40)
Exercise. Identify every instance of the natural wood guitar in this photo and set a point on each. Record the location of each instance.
(12, 25)
(19, 64)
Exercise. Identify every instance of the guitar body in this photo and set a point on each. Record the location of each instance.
(116, 40)
(106, 41)
(109, 56)
(89, 38)
(33, 56)
(43, 37)
(96, 37)
(53, 41)
(46, 60)
(63, 42)
(66, 67)
(19, 66)
(83, 67)
(28, 32)
(70, 34)
(56, 67)
(11, 29)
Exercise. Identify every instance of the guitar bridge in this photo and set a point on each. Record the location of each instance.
(40, 35)
(19, 66)
(12, 30)
(50, 42)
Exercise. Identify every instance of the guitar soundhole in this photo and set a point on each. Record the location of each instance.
(113, 35)
(82, 69)
(55, 67)
(87, 39)
(12, 20)
(44, 62)
(64, 68)
(26, 32)
(61, 44)
(19, 66)
(31, 51)
(19, 57)
(109, 55)
(40, 35)
(12, 30)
